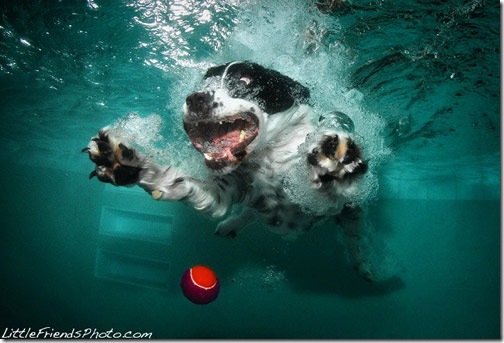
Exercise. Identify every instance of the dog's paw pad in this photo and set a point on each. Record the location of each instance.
(115, 163)
(335, 157)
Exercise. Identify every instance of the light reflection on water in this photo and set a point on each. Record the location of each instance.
(183, 30)
(429, 70)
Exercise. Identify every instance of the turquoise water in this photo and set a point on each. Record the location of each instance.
(421, 81)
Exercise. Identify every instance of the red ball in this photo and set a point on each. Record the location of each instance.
(200, 285)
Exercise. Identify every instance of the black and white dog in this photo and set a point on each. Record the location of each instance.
(250, 125)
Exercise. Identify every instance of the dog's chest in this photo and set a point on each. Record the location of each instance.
(267, 172)
(267, 197)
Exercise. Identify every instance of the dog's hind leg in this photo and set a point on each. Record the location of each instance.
(230, 227)
(351, 221)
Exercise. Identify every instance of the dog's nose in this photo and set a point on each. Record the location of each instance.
(199, 102)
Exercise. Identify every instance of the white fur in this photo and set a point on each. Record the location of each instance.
(255, 188)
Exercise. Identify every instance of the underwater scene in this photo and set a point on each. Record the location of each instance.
(418, 81)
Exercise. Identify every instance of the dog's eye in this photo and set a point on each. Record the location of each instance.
(246, 79)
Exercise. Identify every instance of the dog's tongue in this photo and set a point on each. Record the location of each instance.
(223, 143)
(226, 139)
(222, 146)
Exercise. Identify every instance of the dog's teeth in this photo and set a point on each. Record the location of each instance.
(156, 194)
(242, 135)
(208, 157)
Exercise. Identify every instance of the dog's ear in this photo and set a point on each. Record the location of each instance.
(216, 71)
(280, 86)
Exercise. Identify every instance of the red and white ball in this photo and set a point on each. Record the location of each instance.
(200, 285)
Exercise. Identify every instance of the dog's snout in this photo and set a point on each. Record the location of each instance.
(199, 102)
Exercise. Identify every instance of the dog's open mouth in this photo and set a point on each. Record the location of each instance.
(223, 142)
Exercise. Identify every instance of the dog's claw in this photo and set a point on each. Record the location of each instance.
(86, 149)
(92, 174)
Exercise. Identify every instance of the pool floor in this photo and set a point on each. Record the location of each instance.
(64, 267)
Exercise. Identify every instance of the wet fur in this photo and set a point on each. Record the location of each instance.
(252, 188)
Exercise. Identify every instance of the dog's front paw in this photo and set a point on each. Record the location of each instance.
(115, 163)
(335, 157)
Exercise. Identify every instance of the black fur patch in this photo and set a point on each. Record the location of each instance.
(312, 157)
(330, 145)
(272, 91)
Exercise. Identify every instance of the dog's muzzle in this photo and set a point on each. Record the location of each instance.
(200, 104)
(222, 134)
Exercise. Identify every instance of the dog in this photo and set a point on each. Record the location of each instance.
(253, 126)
